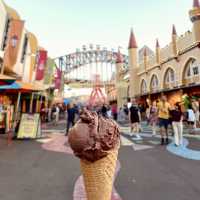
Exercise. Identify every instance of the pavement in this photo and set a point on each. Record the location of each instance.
(46, 169)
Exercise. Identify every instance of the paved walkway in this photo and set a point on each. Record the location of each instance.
(46, 169)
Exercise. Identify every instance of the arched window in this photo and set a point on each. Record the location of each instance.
(192, 69)
(143, 87)
(169, 76)
(154, 83)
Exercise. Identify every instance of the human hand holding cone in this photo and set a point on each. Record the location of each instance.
(95, 140)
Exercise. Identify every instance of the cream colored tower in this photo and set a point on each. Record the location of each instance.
(133, 65)
(174, 41)
(120, 84)
(195, 18)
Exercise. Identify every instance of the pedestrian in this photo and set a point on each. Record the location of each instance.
(191, 117)
(104, 110)
(109, 112)
(71, 112)
(57, 113)
(53, 112)
(177, 124)
(195, 107)
(135, 118)
(163, 115)
(114, 111)
(153, 117)
(49, 114)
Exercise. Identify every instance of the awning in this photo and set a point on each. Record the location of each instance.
(30, 86)
(13, 86)
(6, 80)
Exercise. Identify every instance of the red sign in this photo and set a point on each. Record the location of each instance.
(41, 62)
(58, 77)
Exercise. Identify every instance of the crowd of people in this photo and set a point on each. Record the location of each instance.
(159, 114)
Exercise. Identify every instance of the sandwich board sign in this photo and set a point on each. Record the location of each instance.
(30, 126)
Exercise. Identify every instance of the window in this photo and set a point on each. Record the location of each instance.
(143, 87)
(24, 48)
(170, 76)
(154, 83)
(192, 69)
(5, 35)
(195, 70)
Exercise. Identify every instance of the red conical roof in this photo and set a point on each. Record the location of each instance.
(174, 30)
(196, 4)
(157, 44)
(119, 57)
(132, 41)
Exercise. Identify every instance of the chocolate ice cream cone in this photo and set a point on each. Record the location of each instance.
(99, 175)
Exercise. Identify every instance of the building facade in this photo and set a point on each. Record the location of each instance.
(172, 70)
(22, 63)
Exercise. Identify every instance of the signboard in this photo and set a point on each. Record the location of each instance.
(29, 126)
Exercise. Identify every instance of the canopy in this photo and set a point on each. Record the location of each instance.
(6, 80)
(30, 86)
(13, 86)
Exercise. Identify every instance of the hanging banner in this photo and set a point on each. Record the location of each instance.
(29, 126)
(58, 77)
(13, 43)
(41, 63)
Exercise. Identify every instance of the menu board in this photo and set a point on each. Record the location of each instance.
(29, 127)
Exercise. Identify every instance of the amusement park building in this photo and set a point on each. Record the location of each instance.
(172, 70)
(23, 69)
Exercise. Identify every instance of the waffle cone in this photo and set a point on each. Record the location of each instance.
(98, 176)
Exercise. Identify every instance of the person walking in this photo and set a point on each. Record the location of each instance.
(135, 118)
(195, 107)
(104, 110)
(114, 111)
(153, 117)
(163, 115)
(177, 124)
(71, 111)
(191, 117)
(57, 113)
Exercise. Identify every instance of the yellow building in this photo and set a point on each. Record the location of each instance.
(172, 70)
(24, 67)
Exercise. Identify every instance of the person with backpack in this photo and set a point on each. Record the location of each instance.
(71, 112)
(135, 118)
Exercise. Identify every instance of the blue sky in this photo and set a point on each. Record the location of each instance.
(64, 25)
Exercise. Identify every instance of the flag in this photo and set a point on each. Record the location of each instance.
(41, 63)
(58, 77)
(13, 43)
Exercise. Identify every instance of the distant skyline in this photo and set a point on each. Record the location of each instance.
(62, 26)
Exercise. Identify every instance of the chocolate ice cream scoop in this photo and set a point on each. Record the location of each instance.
(93, 136)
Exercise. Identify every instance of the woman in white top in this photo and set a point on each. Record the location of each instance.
(191, 117)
